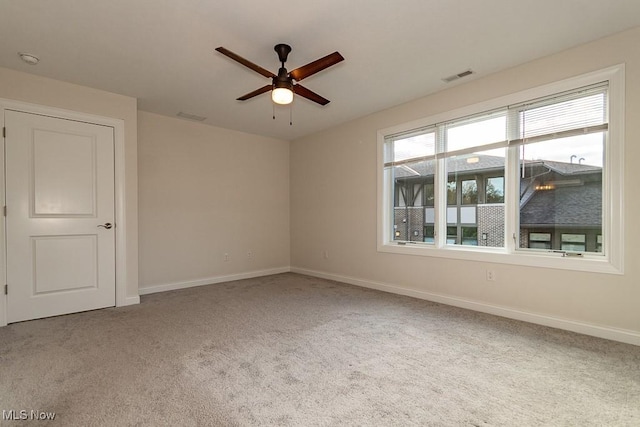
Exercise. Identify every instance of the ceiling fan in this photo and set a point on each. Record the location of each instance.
(282, 86)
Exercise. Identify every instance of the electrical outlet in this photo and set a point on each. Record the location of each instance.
(249, 254)
(491, 275)
(226, 257)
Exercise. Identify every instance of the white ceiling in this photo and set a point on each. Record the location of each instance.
(162, 51)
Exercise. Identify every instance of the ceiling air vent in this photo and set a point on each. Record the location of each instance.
(457, 76)
(191, 117)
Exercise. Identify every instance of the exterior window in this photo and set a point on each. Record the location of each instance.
(470, 236)
(494, 190)
(429, 233)
(532, 171)
(452, 195)
(469, 192)
(540, 240)
(429, 195)
(452, 235)
(574, 242)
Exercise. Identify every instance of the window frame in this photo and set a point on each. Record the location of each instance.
(613, 187)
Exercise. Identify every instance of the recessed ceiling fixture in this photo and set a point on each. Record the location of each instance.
(29, 58)
(457, 76)
(282, 86)
(191, 117)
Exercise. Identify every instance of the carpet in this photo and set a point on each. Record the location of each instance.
(293, 350)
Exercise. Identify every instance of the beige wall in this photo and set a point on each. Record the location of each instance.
(333, 206)
(18, 86)
(206, 191)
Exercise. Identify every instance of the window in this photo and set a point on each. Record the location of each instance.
(429, 233)
(561, 158)
(494, 190)
(534, 170)
(469, 192)
(540, 240)
(574, 242)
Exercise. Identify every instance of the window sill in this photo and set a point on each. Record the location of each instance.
(588, 263)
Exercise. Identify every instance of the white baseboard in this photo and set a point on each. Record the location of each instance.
(211, 280)
(622, 335)
(131, 301)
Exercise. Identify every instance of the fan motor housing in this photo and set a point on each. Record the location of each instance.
(282, 80)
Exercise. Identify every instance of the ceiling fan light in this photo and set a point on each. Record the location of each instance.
(282, 95)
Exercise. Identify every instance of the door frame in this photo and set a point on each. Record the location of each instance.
(119, 195)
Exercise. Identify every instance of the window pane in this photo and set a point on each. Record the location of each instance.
(539, 245)
(411, 182)
(452, 215)
(429, 195)
(574, 242)
(410, 147)
(429, 215)
(477, 132)
(574, 247)
(573, 238)
(540, 240)
(470, 236)
(494, 190)
(540, 237)
(561, 190)
(452, 235)
(561, 116)
(466, 173)
(469, 192)
(429, 234)
(468, 215)
(451, 193)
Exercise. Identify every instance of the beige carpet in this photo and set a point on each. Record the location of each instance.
(300, 351)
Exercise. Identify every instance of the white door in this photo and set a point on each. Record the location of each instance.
(60, 216)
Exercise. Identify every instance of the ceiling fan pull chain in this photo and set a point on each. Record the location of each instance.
(291, 114)
(273, 106)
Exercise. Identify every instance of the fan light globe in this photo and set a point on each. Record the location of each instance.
(282, 95)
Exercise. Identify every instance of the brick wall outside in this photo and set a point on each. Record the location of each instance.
(524, 237)
(491, 222)
(408, 221)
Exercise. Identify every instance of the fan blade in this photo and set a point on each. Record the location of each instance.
(311, 96)
(316, 66)
(256, 92)
(246, 63)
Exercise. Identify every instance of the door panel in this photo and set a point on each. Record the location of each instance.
(64, 263)
(60, 189)
(62, 184)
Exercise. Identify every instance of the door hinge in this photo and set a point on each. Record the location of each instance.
(4, 132)
(4, 210)
(6, 289)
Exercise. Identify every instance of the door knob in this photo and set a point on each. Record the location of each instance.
(107, 225)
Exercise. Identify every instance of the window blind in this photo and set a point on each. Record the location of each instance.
(577, 112)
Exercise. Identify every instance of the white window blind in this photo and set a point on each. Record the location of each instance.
(578, 112)
(410, 147)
